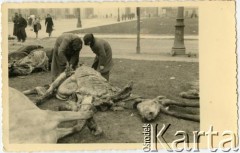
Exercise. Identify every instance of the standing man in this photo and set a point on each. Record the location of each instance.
(15, 24)
(22, 24)
(65, 54)
(103, 61)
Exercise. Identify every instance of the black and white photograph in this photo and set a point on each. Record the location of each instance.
(99, 75)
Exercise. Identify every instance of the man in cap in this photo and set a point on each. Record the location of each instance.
(103, 61)
(65, 54)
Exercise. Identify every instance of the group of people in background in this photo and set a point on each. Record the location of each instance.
(20, 25)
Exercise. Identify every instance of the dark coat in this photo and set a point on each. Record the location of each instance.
(103, 52)
(63, 53)
(49, 24)
(15, 25)
(22, 24)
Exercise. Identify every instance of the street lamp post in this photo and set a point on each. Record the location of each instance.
(79, 23)
(178, 46)
(118, 19)
(138, 30)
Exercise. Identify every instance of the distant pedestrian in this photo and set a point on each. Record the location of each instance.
(30, 20)
(65, 54)
(36, 26)
(103, 61)
(49, 24)
(21, 33)
(15, 24)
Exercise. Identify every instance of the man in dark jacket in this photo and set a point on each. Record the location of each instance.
(65, 54)
(103, 61)
(22, 24)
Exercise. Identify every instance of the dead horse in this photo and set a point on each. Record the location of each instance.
(86, 81)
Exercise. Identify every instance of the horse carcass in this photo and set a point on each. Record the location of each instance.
(35, 60)
(27, 59)
(83, 83)
(90, 82)
(22, 52)
(86, 81)
(29, 124)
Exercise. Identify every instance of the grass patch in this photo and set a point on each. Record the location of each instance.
(154, 25)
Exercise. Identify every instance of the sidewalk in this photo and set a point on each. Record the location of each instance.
(68, 25)
(142, 36)
(148, 57)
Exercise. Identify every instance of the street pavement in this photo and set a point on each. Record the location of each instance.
(149, 46)
(153, 47)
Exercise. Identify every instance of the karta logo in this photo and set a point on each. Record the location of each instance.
(154, 136)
